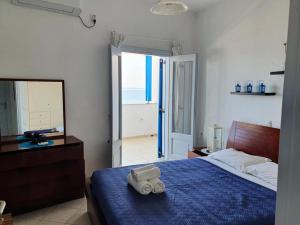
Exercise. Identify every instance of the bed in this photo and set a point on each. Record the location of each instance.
(199, 191)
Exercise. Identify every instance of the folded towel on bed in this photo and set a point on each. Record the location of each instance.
(148, 174)
(158, 186)
(142, 187)
(140, 169)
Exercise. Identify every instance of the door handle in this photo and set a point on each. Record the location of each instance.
(162, 111)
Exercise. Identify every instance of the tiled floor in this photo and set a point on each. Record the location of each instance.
(73, 212)
(139, 150)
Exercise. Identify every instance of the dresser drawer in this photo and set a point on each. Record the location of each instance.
(40, 157)
(29, 197)
(40, 122)
(35, 175)
(40, 115)
(41, 188)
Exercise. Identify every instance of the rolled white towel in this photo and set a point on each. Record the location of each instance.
(143, 187)
(147, 174)
(158, 186)
(140, 169)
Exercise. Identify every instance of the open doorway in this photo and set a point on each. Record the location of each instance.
(141, 128)
(152, 105)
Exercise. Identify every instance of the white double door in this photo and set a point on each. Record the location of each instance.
(178, 105)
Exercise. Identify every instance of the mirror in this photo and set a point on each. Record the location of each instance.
(31, 105)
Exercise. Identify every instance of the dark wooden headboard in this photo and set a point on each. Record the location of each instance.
(255, 140)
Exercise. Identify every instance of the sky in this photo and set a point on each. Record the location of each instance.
(134, 72)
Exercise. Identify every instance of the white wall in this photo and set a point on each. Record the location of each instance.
(240, 41)
(139, 120)
(40, 44)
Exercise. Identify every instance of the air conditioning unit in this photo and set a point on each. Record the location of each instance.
(68, 7)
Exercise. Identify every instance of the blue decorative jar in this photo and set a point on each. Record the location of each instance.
(249, 87)
(238, 87)
(262, 87)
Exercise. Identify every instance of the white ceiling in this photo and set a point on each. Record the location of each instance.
(194, 5)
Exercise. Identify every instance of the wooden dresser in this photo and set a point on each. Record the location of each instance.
(35, 178)
(7, 220)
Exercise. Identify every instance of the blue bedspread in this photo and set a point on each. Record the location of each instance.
(197, 193)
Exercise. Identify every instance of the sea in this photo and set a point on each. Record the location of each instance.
(133, 95)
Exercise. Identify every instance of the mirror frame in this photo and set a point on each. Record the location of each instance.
(10, 139)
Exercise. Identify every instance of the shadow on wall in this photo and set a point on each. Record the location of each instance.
(213, 31)
(239, 41)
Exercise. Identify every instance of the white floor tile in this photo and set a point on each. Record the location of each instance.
(79, 218)
(60, 214)
(49, 223)
(75, 204)
(29, 218)
(139, 150)
(72, 213)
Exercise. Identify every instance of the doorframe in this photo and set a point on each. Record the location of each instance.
(115, 141)
(136, 50)
(166, 95)
(145, 51)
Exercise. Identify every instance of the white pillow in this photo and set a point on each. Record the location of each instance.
(267, 172)
(237, 159)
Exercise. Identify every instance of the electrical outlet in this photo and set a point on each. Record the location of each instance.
(93, 19)
(269, 123)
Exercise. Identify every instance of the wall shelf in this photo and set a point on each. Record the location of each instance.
(277, 73)
(254, 93)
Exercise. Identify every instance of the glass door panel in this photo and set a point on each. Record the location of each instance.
(182, 97)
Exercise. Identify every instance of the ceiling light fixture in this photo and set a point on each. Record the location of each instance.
(169, 7)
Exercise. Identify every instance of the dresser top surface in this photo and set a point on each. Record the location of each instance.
(7, 148)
